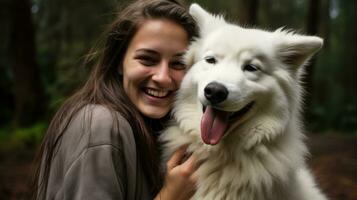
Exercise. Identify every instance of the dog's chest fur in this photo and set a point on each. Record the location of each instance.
(232, 172)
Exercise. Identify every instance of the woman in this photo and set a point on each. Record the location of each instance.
(101, 144)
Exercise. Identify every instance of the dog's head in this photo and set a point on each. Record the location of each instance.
(237, 72)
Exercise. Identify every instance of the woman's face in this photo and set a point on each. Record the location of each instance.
(153, 67)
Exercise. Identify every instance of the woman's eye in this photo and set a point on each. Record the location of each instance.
(250, 68)
(146, 60)
(210, 59)
(178, 65)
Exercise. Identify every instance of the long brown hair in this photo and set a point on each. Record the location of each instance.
(104, 87)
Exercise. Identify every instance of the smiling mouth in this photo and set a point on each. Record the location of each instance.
(157, 93)
(237, 114)
(240, 113)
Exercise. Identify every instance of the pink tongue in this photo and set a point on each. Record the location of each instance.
(213, 125)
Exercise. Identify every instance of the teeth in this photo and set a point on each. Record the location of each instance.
(157, 93)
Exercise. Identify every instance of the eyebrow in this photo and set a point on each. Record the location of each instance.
(144, 50)
(150, 51)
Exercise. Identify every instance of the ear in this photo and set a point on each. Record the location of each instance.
(295, 50)
(206, 21)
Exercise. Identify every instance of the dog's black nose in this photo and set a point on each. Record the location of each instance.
(215, 92)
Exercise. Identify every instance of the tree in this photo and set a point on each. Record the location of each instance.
(6, 96)
(347, 69)
(313, 17)
(320, 76)
(30, 101)
(248, 11)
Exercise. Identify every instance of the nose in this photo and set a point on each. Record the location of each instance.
(215, 92)
(162, 74)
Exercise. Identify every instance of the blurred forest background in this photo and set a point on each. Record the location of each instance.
(43, 44)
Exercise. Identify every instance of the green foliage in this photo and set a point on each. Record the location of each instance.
(66, 30)
(28, 137)
(282, 13)
(334, 103)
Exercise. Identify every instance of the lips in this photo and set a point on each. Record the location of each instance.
(157, 93)
(215, 122)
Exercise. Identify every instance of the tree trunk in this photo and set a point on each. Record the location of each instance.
(6, 96)
(30, 101)
(324, 24)
(348, 78)
(322, 92)
(313, 17)
(248, 12)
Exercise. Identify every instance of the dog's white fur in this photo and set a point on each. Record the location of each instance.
(262, 155)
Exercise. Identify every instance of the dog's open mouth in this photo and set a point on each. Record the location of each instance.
(214, 122)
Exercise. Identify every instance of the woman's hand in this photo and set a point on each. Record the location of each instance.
(180, 180)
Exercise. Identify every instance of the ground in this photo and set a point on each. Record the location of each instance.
(333, 160)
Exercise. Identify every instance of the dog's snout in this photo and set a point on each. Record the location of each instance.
(215, 92)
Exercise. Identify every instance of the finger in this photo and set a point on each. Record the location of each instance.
(176, 158)
(185, 157)
(189, 166)
(199, 162)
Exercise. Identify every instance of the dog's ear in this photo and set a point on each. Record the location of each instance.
(206, 21)
(295, 50)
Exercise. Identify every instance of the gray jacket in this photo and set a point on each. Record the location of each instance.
(97, 162)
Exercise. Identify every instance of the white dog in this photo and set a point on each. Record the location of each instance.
(239, 109)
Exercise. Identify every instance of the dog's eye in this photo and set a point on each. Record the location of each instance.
(211, 59)
(250, 68)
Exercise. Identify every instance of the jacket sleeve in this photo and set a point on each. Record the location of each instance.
(98, 173)
(97, 159)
